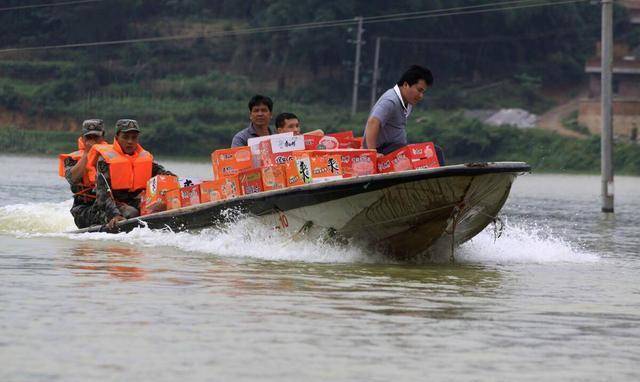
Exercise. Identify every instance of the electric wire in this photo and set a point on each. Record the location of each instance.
(475, 9)
(18, 7)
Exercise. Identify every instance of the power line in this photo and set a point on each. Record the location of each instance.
(475, 9)
(48, 5)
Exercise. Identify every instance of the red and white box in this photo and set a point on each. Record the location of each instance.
(398, 160)
(277, 151)
(190, 195)
(358, 162)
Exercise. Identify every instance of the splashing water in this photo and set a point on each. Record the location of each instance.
(36, 218)
(521, 244)
(247, 237)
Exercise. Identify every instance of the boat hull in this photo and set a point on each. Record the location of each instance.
(403, 214)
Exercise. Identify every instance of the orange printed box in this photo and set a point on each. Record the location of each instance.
(172, 199)
(325, 166)
(190, 195)
(273, 177)
(231, 161)
(157, 186)
(210, 191)
(250, 181)
(292, 176)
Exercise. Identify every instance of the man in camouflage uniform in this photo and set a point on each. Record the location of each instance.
(84, 199)
(112, 206)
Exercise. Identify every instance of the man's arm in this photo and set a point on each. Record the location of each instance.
(371, 132)
(78, 170)
(69, 164)
(104, 197)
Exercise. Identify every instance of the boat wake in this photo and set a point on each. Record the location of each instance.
(246, 237)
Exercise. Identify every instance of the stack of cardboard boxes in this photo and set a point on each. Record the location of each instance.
(285, 160)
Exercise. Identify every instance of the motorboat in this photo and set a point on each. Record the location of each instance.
(403, 214)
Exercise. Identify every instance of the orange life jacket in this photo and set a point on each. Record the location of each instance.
(127, 172)
(89, 177)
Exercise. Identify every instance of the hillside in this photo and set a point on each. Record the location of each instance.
(190, 94)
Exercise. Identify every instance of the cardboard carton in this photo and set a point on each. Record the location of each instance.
(396, 161)
(344, 139)
(172, 199)
(254, 145)
(425, 163)
(231, 161)
(292, 175)
(273, 177)
(420, 151)
(278, 150)
(251, 181)
(325, 166)
(358, 162)
(190, 195)
(157, 186)
(318, 142)
(210, 191)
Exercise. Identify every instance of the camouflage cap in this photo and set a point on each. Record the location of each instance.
(124, 125)
(93, 127)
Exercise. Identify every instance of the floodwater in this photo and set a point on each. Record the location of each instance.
(555, 297)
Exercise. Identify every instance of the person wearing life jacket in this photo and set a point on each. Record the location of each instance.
(73, 167)
(122, 172)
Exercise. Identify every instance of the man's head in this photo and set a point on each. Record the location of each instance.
(260, 108)
(92, 132)
(287, 122)
(414, 82)
(127, 132)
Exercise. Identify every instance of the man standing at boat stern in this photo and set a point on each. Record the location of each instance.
(260, 112)
(122, 172)
(386, 129)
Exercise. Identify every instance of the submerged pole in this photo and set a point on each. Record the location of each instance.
(606, 138)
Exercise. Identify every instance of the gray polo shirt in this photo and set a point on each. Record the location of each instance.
(242, 136)
(393, 115)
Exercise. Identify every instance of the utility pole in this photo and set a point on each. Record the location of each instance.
(374, 81)
(606, 107)
(356, 71)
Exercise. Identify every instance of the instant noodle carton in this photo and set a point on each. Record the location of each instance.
(157, 186)
(319, 142)
(172, 199)
(425, 153)
(292, 175)
(220, 189)
(231, 161)
(344, 139)
(398, 160)
(254, 145)
(210, 191)
(273, 177)
(356, 143)
(277, 151)
(190, 195)
(358, 162)
(325, 167)
(250, 181)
